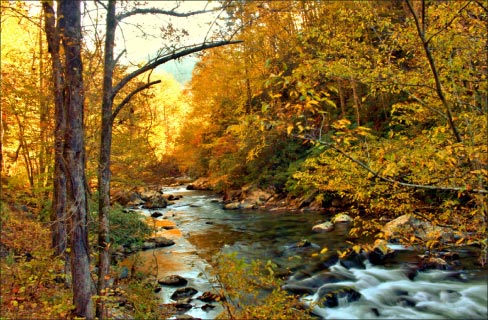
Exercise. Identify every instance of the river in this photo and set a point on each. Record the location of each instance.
(203, 230)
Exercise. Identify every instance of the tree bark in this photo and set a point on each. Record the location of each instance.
(342, 98)
(58, 214)
(104, 161)
(357, 101)
(74, 157)
(109, 114)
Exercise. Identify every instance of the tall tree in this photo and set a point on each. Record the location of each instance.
(111, 110)
(70, 150)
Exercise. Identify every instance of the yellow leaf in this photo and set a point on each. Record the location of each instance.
(324, 250)
(289, 129)
(341, 254)
(357, 248)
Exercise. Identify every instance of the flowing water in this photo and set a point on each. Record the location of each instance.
(386, 291)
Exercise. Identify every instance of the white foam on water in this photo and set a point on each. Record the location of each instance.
(389, 294)
(399, 247)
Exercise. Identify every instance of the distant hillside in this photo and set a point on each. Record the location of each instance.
(182, 69)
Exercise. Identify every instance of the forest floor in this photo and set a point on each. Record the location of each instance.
(32, 279)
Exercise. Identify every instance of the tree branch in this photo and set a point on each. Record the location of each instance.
(448, 23)
(173, 13)
(482, 6)
(102, 4)
(172, 56)
(130, 95)
(435, 73)
(376, 174)
(118, 57)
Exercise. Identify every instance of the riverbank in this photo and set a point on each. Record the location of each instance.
(308, 265)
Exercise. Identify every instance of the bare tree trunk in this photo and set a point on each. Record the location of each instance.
(58, 216)
(74, 156)
(342, 98)
(44, 120)
(104, 162)
(357, 101)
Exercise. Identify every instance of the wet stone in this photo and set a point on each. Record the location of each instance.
(183, 306)
(207, 307)
(405, 302)
(330, 297)
(209, 297)
(156, 214)
(162, 242)
(183, 293)
(353, 260)
(173, 280)
(298, 289)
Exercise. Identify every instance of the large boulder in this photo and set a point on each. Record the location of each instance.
(126, 197)
(407, 224)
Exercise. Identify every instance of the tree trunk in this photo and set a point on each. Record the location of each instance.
(357, 101)
(104, 161)
(58, 215)
(342, 98)
(109, 112)
(44, 121)
(74, 157)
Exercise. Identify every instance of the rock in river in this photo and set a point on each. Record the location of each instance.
(162, 242)
(173, 280)
(183, 293)
(232, 206)
(323, 227)
(341, 218)
(156, 214)
(330, 297)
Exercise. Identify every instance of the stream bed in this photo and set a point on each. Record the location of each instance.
(203, 230)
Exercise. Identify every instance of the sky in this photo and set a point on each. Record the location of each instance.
(140, 35)
(140, 47)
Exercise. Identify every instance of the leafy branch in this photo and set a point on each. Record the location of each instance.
(376, 174)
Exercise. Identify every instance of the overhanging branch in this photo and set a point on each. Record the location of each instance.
(173, 13)
(376, 174)
(130, 95)
(178, 53)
